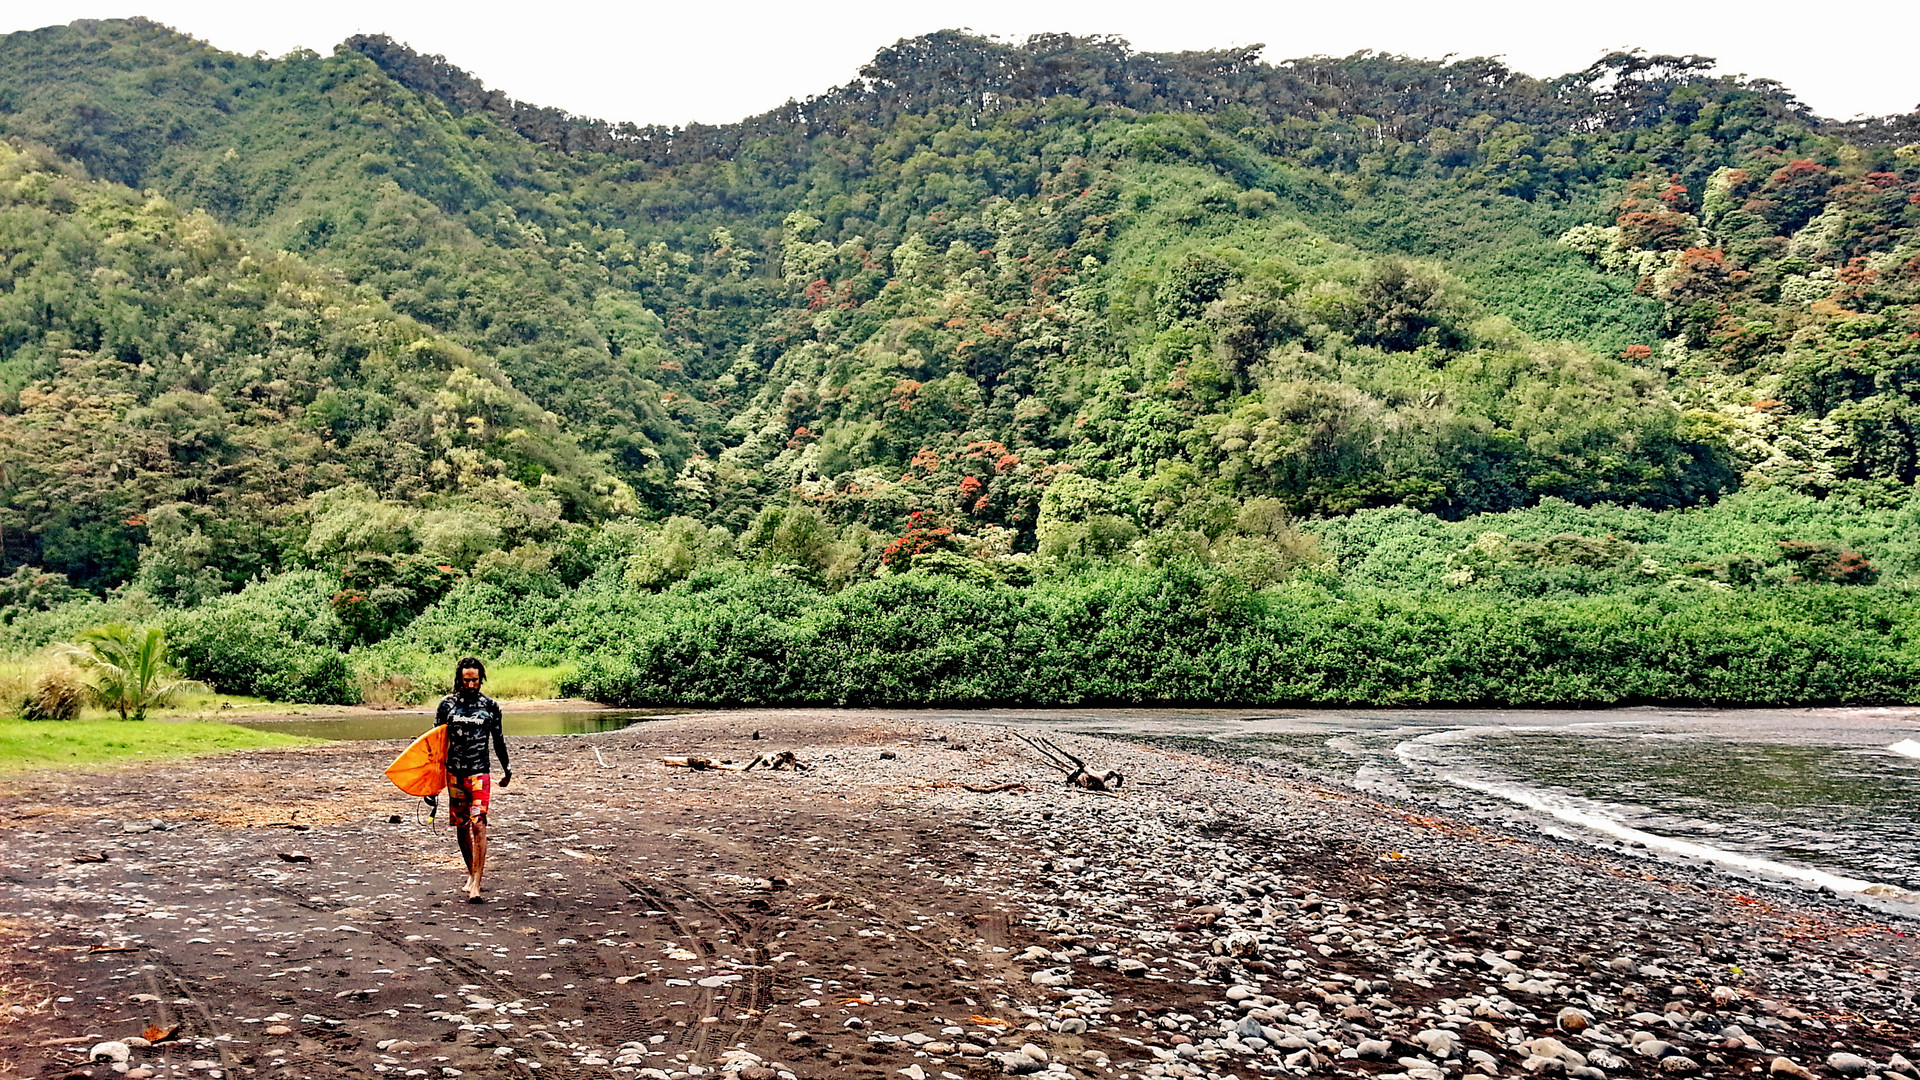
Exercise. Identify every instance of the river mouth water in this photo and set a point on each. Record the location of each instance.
(1816, 798)
(1810, 797)
(411, 723)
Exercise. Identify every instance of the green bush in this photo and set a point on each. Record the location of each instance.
(521, 617)
(913, 639)
(1185, 634)
(277, 639)
(721, 639)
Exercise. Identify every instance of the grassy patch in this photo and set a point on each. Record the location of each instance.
(526, 682)
(76, 743)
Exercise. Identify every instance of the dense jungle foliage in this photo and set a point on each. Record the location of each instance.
(1045, 373)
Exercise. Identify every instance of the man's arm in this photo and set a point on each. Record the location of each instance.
(500, 746)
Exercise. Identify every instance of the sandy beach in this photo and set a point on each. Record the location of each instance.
(926, 899)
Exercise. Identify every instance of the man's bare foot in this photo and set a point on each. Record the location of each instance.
(473, 888)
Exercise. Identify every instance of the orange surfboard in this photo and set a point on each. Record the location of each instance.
(421, 769)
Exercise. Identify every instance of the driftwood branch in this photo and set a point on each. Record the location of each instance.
(1078, 775)
(785, 760)
(780, 762)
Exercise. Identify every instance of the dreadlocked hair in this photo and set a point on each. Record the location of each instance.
(466, 662)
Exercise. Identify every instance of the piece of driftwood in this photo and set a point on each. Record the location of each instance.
(780, 762)
(701, 764)
(994, 788)
(784, 761)
(1078, 775)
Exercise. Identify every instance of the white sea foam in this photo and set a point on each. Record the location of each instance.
(1906, 748)
(1427, 753)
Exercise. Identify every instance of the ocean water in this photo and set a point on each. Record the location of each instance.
(1815, 797)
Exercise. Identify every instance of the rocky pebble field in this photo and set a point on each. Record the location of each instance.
(925, 899)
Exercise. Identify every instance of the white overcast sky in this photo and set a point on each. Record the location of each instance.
(720, 61)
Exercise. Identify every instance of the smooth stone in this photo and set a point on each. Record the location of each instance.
(1548, 1047)
(1849, 1064)
(1373, 1049)
(1571, 1019)
(1600, 1059)
(112, 1051)
(1679, 1065)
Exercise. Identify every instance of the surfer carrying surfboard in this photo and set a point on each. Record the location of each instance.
(472, 720)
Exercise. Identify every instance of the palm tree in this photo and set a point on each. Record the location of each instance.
(129, 667)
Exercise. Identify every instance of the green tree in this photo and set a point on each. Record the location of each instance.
(128, 666)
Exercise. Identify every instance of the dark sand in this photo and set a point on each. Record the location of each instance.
(873, 917)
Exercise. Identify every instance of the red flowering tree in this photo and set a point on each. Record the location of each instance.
(924, 534)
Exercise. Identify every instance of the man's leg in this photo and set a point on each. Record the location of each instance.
(476, 852)
(477, 794)
(465, 834)
(466, 809)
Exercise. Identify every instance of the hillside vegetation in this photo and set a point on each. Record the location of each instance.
(1049, 372)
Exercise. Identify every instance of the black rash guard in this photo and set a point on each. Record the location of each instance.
(471, 725)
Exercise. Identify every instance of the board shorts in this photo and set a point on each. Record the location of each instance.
(467, 798)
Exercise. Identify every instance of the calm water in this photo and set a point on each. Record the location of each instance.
(407, 725)
(1813, 796)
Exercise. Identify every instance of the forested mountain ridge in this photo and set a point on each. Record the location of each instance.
(186, 389)
(988, 310)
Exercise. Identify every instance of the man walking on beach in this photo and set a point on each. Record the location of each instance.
(473, 726)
